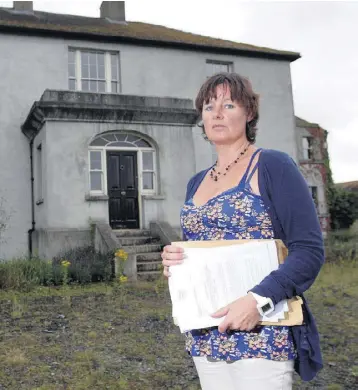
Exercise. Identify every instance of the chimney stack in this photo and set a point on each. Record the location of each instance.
(23, 6)
(114, 10)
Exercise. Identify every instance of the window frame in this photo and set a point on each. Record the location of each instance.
(314, 194)
(307, 152)
(139, 150)
(228, 64)
(107, 69)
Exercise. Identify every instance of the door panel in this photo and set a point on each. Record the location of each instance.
(123, 190)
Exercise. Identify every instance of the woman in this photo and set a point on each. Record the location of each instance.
(259, 194)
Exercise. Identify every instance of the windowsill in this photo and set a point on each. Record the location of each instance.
(96, 198)
(38, 202)
(153, 197)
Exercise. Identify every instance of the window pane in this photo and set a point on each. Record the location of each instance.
(100, 59)
(142, 144)
(84, 57)
(148, 182)
(101, 86)
(99, 142)
(114, 87)
(110, 137)
(96, 162)
(71, 57)
(93, 59)
(93, 86)
(148, 164)
(101, 73)
(85, 71)
(131, 138)
(96, 181)
(122, 143)
(120, 137)
(85, 85)
(93, 71)
(71, 70)
(72, 85)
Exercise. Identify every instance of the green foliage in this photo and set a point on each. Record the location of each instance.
(24, 274)
(341, 245)
(87, 265)
(81, 265)
(343, 208)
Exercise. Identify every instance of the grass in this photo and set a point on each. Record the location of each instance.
(112, 336)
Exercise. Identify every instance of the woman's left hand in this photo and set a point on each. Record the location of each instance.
(241, 314)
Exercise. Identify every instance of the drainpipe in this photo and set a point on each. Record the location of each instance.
(30, 231)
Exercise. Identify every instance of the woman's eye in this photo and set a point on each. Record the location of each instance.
(208, 108)
(229, 105)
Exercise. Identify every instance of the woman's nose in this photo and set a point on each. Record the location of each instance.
(217, 113)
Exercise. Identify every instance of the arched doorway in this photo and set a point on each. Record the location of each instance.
(122, 165)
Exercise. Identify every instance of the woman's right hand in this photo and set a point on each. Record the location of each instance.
(171, 255)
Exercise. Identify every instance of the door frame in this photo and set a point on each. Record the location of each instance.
(141, 193)
(134, 152)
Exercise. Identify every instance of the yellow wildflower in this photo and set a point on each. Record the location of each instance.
(65, 263)
(122, 254)
(123, 279)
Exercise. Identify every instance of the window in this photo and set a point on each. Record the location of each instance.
(39, 178)
(314, 193)
(213, 67)
(146, 159)
(96, 171)
(148, 170)
(307, 148)
(93, 71)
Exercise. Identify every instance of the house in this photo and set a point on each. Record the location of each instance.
(351, 186)
(97, 121)
(313, 160)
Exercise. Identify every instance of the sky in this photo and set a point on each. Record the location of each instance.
(325, 79)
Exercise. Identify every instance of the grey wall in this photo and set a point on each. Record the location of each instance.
(29, 65)
(67, 172)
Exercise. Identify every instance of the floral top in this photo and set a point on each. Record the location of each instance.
(234, 214)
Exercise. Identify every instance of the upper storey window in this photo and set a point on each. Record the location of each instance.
(93, 71)
(213, 67)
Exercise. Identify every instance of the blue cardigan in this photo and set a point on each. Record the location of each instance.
(294, 218)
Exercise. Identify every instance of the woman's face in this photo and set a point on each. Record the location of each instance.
(224, 120)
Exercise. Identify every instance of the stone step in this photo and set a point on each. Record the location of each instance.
(142, 248)
(131, 232)
(138, 240)
(145, 266)
(150, 256)
(149, 275)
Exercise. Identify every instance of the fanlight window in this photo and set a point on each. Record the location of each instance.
(97, 160)
(121, 140)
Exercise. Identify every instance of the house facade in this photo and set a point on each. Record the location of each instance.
(97, 121)
(313, 160)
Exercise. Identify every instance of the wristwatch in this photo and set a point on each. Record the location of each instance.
(265, 305)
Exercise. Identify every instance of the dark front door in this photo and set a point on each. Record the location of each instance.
(123, 190)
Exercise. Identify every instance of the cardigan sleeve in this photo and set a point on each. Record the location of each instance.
(294, 208)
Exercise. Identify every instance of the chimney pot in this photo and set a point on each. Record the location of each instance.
(114, 10)
(23, 6)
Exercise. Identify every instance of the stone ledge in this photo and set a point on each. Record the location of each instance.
(95, 107)
(96, 198)
(154, 197)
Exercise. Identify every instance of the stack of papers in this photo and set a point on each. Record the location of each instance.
(211, 278)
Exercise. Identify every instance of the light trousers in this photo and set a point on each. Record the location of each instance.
(245, 374)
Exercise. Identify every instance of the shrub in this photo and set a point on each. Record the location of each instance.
(86, 265)
(342, 245)
(24, 274)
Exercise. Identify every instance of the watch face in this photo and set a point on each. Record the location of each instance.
(266, 307)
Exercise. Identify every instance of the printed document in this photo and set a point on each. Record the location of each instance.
(211, 278)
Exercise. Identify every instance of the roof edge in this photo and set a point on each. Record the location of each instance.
(36, 31)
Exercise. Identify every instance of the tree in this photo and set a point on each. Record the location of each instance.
(343, 208)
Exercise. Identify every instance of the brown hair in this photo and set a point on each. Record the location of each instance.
(241, 91)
